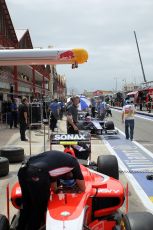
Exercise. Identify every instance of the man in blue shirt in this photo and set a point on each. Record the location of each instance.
(55, 109)
(62, 108)
(102, 109)
(72, 115)
(14, 114)
(93, 107)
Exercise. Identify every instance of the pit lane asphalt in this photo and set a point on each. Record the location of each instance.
(143, 131)
(98, 148)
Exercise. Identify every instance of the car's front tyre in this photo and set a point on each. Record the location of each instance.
(137, 221)
(108, 165)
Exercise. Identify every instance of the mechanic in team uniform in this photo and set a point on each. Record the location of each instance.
(23, 118)
(35, 178)
(55, 111)
(72, 116)
(93, 107)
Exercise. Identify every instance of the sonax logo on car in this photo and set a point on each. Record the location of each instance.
(61, 196)
(69, 137)
(108, 191)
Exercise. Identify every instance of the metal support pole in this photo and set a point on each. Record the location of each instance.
(30, 138)
(115, 78)
(48, 129)
(6, 120)
(127, 198)
(8, 198)
(44, 139)
(34, 81)
(50, 142)
(1, 121)
(144, 77)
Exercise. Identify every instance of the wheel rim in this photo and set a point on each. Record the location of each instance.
(122, 225)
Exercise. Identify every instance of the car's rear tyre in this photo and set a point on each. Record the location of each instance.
(13, 154)
(108, 165)
(109, 125)
(137, 221)
(4, 166)
(4, 223)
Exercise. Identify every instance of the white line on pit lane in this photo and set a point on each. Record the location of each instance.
(139, 145)
(138, 189)
(145, 118)
(136, 115)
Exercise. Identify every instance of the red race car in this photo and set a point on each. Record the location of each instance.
(95, 209)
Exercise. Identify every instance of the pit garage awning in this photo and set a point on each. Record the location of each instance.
(132, 93)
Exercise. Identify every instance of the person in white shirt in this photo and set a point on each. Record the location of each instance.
(108, 110)
(128, 117)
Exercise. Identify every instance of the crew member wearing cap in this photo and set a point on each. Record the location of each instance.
(72, 116)
(128, 117)
(35, 178)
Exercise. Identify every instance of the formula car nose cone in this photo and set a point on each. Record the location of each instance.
(65, 213)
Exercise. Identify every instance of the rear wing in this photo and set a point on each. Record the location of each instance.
(70, 139)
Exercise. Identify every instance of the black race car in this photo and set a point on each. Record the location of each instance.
(96, 125)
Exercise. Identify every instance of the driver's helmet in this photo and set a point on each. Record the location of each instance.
(68, 182)
(88, 119)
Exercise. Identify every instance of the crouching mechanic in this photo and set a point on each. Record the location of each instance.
(35, 178)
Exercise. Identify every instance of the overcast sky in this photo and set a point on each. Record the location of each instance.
(103, 27)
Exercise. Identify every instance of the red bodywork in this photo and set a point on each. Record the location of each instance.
(141, 96)
(103, 196)
(70, 151)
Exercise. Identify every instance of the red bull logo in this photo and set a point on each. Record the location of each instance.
(66, 55)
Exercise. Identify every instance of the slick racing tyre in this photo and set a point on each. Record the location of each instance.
(13, 154)
(109, 125)
(137, 221)
(108, 165)
(4, 223)
(4, 167)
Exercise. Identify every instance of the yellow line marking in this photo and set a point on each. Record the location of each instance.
(68, 142)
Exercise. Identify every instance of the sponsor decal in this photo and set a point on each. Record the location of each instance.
(98, 226)
(61, 196)
(18, 191)
(68, 142)
(100, 190)
(74, 195)
(66, 55)
(69, 137)
(65, 213)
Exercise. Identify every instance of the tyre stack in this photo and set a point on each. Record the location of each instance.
(4, 166)
(9, 155)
